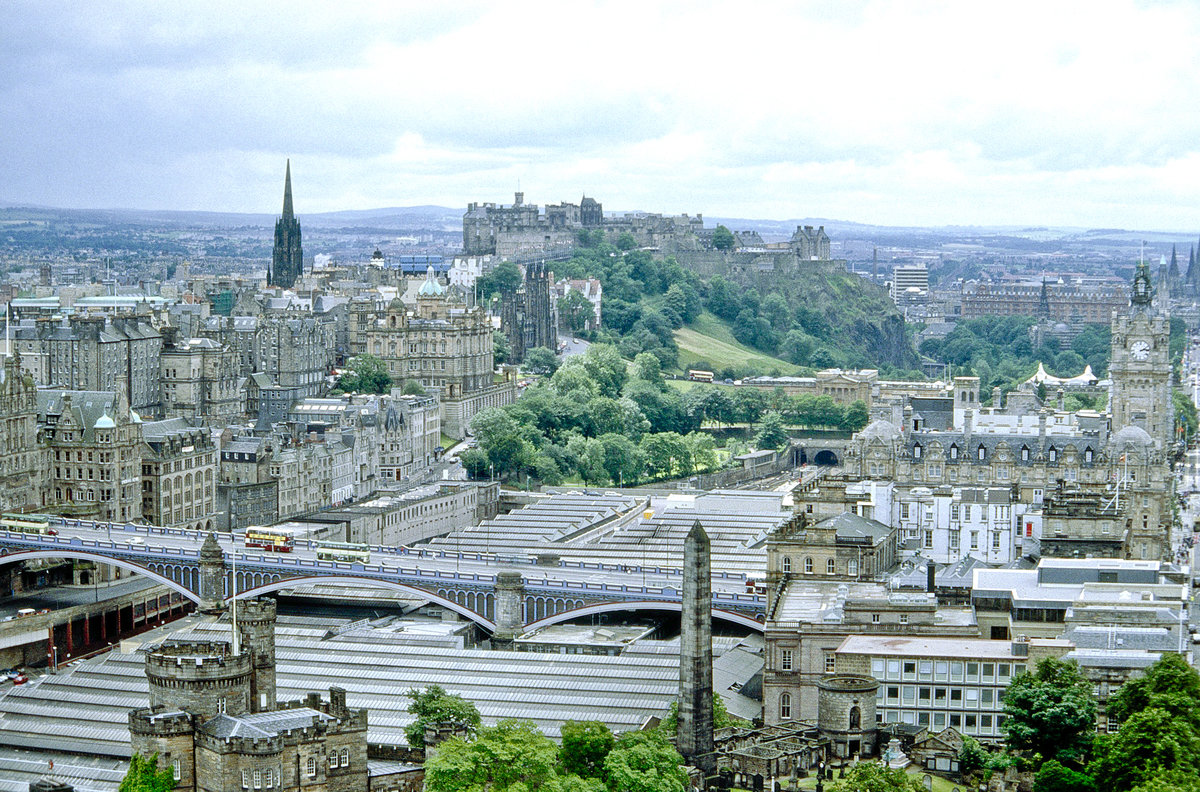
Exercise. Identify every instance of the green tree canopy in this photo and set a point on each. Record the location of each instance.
(585, 746)
(771, 433)
(540, 360)
(722, 238)
(576, 310)
(144, 776)
(1050, 712)
(367, 374)
(644, 761)
(1057, 777)
(876, 777)
(512, 755)
(1150, 743)
(501, 349)
(434, 705)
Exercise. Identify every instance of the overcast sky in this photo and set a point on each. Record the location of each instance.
(1045, 113)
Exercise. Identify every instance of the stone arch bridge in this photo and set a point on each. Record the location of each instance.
(818, 451)
(505, 599)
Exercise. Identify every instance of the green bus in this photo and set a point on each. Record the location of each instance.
(344, 551)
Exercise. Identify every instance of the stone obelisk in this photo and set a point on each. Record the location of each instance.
(695, 737)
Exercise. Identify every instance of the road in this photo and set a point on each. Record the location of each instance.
(68, 596)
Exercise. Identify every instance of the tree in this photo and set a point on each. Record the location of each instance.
(540, 360)
(604, 364)
(876, 777)
(644, 761)
(1151, 742)
(412, 388)
(501, 350)
(856, 416)
(647, 368)
(1050, 712)
(144, 776)
(1170, 684)
(576, 310)
(585, 746)
(623, 460)
(722, 238)
(434, 705)
(368, 374)
(506, 277)
(771, 433)
(512, 754)
(972, 757)
(1056, 777)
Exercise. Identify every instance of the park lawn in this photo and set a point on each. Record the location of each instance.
(710, 341)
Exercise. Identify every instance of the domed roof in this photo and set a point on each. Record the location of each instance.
(430, 288)
(1131, 438)
(884, 430)
(104, 422)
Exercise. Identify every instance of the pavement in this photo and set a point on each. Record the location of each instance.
(71, 595)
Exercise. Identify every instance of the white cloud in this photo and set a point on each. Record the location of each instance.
(890, 112)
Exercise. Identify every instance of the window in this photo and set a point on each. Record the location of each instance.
(176, 771)
(830, 566)
(1087, 454)
(917, 451)
(345, 757)
(787, 564)
(258, 779)
(221, 705)
(974, 540)
(982, 452)
(996, 540)
(808, 565)
(904, 618)
(874, 618)
(954, 452)
(333, 759)
(785, 660)
(954, 540)
(903, 511)
(953, 511)
(852, 567)
(312, 766)
(928, 540)
(1053, 453)
(1024, 453)
(245, 779)
(830, 662)
(270, 779)
(785, 706)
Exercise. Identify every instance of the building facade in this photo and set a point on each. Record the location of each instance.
(179, 470)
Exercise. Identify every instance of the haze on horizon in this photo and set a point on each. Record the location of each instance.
(893, 113)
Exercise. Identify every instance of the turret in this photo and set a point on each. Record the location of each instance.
(212, 576)
(256, 630)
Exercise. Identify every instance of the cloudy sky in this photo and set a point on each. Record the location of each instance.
(1083, 113)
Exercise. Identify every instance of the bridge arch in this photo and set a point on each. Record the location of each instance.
(648, 605)
(64, 551)
(825, 456)
(436, 598)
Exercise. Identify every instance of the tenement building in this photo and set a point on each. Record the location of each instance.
(24, 463)
(179, 468)
(96, 444)
(200, 381)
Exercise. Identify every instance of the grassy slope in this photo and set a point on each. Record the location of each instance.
(709, 339)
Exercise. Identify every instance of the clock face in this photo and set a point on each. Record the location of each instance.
(1140, 350)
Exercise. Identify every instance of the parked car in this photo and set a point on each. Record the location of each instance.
(12, 673)
(20, 679)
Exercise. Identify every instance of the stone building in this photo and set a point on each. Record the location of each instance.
(200, 381)
(25, 462)
(247, 494)
(179, 468)
(100, 353)
(287, 257)
(1076, 302)
(809, 244)
(213, 720)
(97, 447)
(446, 347)
(1140, 367)
(529, 315)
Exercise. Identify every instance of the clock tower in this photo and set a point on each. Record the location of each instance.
(1140, 366)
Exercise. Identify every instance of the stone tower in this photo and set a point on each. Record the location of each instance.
(212, 576)
(1141, 369)
(695, 736)
(287, 259)
(256, 631)
(846, 713)
(510, 593)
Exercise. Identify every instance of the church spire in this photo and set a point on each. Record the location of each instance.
(287, 192)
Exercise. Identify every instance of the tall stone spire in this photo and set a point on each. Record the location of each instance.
(287, 259)
(695, 736)
(287, 192)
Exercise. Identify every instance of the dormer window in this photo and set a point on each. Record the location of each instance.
(954, 452)
(1053, 453)
(1087, 454)
(1024, 453)
(982, 452)
(917, 451)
